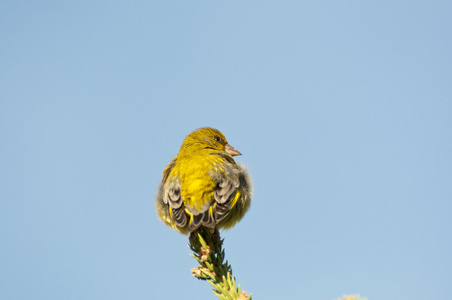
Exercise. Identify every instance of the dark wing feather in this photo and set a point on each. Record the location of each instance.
(172, 196)
(226, 188)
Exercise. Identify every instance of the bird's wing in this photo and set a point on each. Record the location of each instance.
(172, 195)
(225, 191)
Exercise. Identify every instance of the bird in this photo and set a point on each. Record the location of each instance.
(203, 186)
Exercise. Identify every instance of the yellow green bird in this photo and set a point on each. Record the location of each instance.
(203, 185)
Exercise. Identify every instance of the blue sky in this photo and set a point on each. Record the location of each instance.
(342, 111)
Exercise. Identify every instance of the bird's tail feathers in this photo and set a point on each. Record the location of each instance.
(205, 219)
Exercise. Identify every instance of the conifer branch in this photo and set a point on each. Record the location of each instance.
(208, 251)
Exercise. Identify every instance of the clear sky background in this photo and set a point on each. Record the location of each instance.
(342, 110)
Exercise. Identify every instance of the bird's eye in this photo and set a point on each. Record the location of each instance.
(217, 138)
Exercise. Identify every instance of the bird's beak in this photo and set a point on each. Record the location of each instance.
(231, 150)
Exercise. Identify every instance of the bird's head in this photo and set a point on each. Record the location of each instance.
(208, 138)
